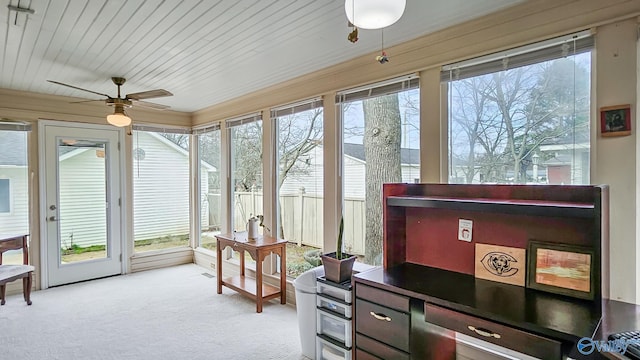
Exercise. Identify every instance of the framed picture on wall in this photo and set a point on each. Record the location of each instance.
(615, 120)
(561, 269)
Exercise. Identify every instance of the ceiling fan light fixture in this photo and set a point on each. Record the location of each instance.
(119, 118)
(374, 14)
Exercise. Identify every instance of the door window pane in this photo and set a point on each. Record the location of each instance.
(381, 145)
(160, 190)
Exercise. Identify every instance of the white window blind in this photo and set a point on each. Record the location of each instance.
(241, 120)
(160, 129)
(295, 108)
(11, 125)
(391, 86)
(551, 49)
(207, 128)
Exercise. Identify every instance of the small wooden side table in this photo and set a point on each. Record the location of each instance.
(258, 249)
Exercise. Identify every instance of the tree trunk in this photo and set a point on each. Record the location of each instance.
(382, 155)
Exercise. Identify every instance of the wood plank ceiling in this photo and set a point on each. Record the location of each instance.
(203, 51)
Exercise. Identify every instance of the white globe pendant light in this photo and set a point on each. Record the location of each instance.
(374, 14)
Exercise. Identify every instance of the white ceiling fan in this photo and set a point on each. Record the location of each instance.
(119, 117)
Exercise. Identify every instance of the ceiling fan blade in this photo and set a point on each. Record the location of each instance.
(149, 94)
(149, 105)
(84, 101)
(78, 88)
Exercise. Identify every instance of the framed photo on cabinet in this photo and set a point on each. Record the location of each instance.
(561, 269)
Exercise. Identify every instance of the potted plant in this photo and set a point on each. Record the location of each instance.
(338, 265)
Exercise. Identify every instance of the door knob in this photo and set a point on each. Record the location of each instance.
(52, 218)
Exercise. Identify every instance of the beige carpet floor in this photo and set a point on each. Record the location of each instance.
(172, 313)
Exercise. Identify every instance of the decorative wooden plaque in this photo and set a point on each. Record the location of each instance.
(501, 263)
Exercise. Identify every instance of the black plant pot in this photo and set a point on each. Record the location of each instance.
(336, 270)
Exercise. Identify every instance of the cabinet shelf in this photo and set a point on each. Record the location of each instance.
(553, 315)
(508, 206)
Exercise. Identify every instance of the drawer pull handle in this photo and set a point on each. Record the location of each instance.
(483, 332)
(380, 316)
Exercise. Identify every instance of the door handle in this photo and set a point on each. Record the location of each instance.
(52, 218)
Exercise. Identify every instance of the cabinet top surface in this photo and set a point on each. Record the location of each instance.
(241, 237)
(548, 314)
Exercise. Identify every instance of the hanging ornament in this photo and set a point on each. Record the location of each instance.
(353, 35)
(382, 58)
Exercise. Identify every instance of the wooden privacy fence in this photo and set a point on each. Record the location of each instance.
(302, 217)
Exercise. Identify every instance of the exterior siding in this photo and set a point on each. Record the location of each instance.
(160, 189)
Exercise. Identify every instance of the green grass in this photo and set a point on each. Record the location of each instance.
(296, 264)
(76, 249)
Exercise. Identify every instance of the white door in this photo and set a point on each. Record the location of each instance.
(81, 202)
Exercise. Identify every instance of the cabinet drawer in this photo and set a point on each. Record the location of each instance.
(335, 327)
(372, 349)
(334, 292)
(326, 350)
(501, 335)
(382, 297)
(383, 324)
(334, 306)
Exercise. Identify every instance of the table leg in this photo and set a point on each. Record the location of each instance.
(259, 283)
(241, 252)
(283, 276)
(219, 266)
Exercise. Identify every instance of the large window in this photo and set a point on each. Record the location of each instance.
(160, 188)
(5, 195)
(246, 170)
(521, 116)
(14, 186)
(209, 148)
(300, 182)
(381, 132)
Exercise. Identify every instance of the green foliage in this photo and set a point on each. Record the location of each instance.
(293, 270)
(339, 244)
(313, 257)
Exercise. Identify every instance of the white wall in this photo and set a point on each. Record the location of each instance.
(615, 160)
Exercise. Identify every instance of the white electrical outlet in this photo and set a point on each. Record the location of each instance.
(465, 230)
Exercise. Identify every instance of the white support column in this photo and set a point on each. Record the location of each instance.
(269, 185)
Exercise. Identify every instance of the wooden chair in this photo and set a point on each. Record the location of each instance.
(9, 273)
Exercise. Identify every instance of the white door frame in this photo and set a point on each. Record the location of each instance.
(44, 276)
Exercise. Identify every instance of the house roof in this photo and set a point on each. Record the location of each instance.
(407, 156)
(13, 148)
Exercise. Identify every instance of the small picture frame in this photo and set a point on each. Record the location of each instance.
(561, 268)
(615, 120)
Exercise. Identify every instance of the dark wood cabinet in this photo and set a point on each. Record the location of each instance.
(426, 292)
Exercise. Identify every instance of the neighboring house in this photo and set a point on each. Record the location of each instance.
(161, 187)
(354, 171)
(566, 154)
(161, 190)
